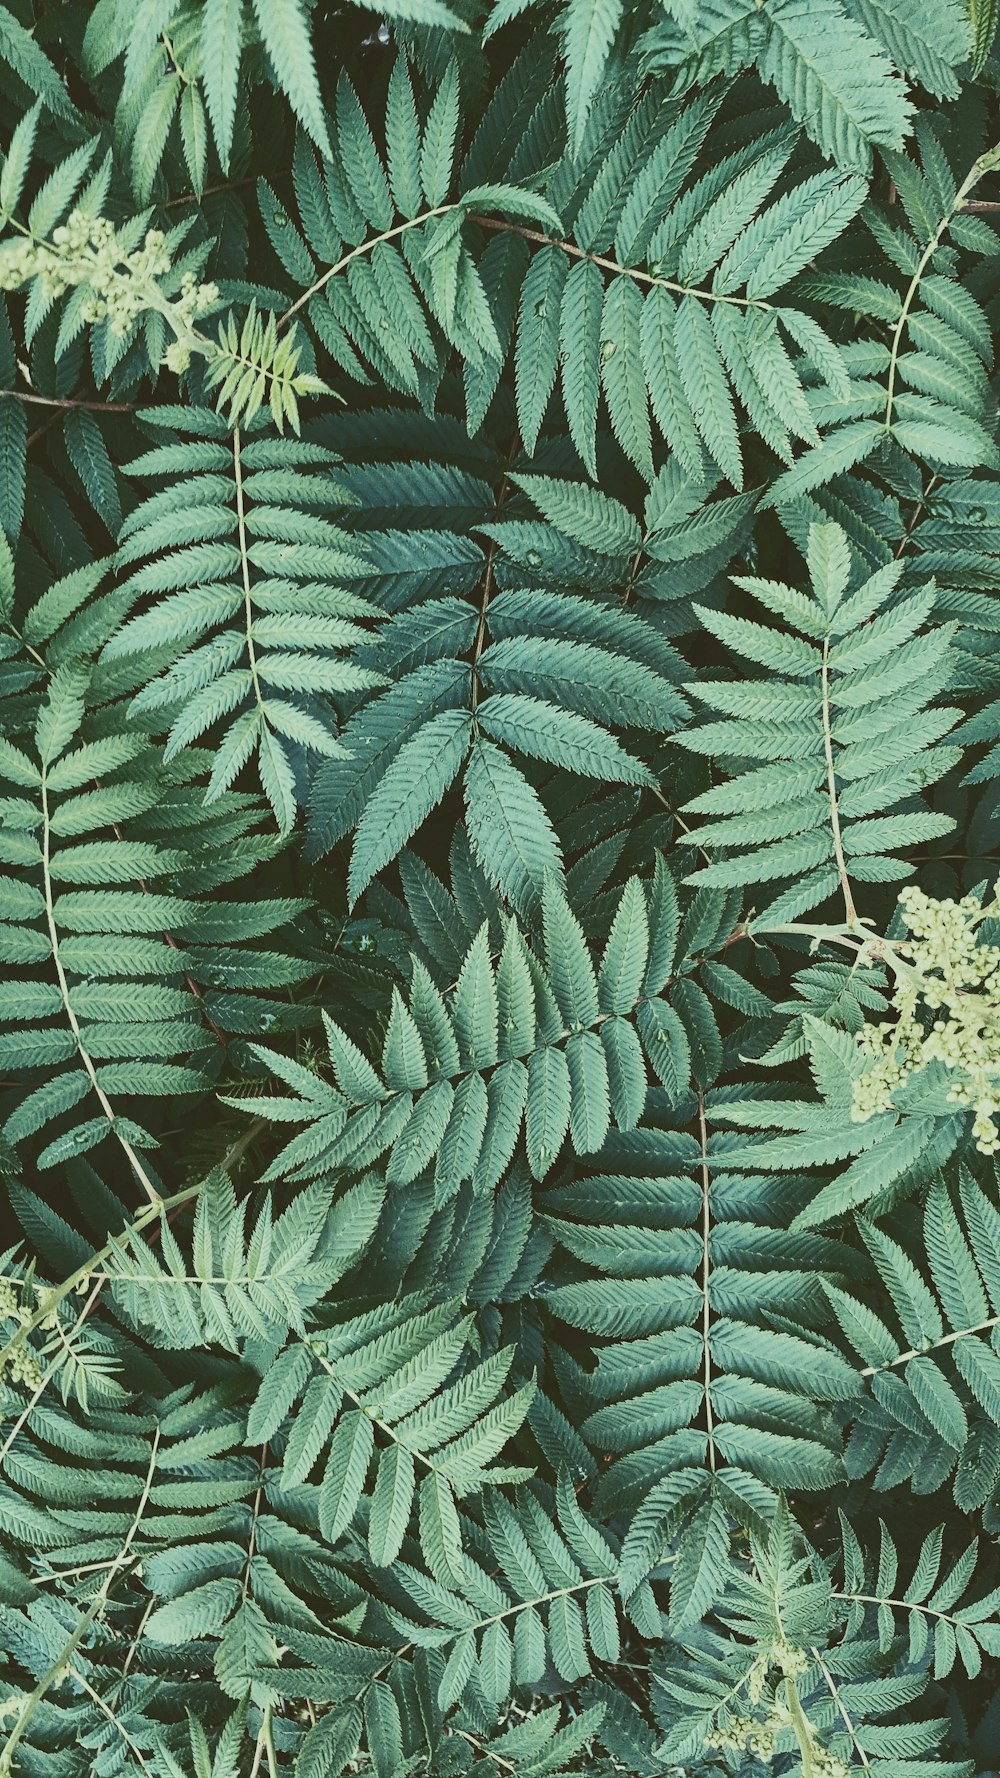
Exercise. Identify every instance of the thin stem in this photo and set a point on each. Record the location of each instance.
(173, 61)
(898, 1604)
(49, 1303)
(47, 1376)
(580, 1586)
(137, 1635)
(382, 1425)
(254, 1516)
(916, 515)
(106, 1710)
(611, 265)
(502, 225)
(481, 1747)
(241, 532)
(60, 1574)
(39, 659)
(850, 910)
(633, 574)
(59, 1666)
(332, 271)
(209, 191)
(974, 174)
(71, 1018)
(97, 407)
(820, 935)
(479, 640)
(706, 1272)
(265, 737)
(267, 1730)
(236, 1150)
(873, 1370)
(842, 1710)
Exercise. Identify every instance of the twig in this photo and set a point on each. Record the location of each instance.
(706, 1266)
(99, 407)
(498, 223)
(974, 174)
(850, 910)
(479, 640)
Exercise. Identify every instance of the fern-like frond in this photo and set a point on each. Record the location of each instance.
(830, 745)
(542, 1041)
(244, 624)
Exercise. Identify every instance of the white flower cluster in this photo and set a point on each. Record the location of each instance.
(21, 1366)
(744, 1734)
(87, 253)
(949, 973)
(760, 1735)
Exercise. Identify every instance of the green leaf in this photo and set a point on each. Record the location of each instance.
(440, 132)
(589, 30)
(18, 159)
(89, 456)
(623, 966)
(413, 785)
(23, 56)
(700, 1571)
(983, 16)
(706, 388)
(586, 515)
(560, 737)
(198, 1613)
(391, 1503)
(511, 834)
(622, 372)
(835, 79)
(869, 1173)
(221, 44)
(13, 465)
(537, 353)
(284, 28)
(346, 1470)
(548, 1108)
(580, 355)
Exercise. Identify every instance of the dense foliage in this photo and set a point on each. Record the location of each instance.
(500, 824)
